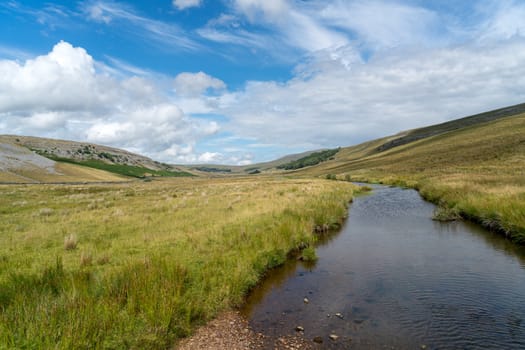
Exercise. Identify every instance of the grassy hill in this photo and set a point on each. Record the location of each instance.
(20, 165)
(472, 170)
(452, 125)
(26, 159)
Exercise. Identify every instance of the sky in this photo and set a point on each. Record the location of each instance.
(243, 81)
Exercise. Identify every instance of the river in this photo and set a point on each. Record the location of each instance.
(394, 279)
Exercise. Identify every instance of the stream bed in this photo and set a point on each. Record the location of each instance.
(393, 278)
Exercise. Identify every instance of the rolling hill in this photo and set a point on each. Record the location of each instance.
(472, 168)
(25, 159)
(251, 169)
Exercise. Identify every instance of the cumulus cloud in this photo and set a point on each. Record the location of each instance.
(194, 84)
(184, 4)
(62, 94)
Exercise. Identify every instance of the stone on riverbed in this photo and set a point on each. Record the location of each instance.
(318, 340)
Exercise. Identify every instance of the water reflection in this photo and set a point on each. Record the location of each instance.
(394, 278)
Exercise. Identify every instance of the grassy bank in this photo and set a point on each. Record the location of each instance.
(495, 202)
(477, 172)
(140, 265)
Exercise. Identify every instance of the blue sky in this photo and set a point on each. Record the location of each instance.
(243, 81)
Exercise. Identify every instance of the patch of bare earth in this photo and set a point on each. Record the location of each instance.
(231, 331)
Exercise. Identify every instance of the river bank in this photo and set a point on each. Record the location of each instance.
(394, 278)
(231, 331)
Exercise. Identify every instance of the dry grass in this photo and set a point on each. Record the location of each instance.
(64, 173)
(151, 260)
(478, 172)
(70, 242)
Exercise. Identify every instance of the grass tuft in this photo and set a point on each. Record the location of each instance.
(443, 213)
(308, 254)
(70, 242)
(86, 259)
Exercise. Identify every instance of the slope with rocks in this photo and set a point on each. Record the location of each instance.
(20, 165)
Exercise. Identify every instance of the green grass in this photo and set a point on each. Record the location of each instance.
(121, 169)
(140, 265)
(309, 160)
(452, 125)
(476, 172)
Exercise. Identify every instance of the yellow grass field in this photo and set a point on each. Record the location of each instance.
(139, 265)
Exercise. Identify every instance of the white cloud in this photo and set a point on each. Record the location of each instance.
(194, 84)
(381, 24)
(154, 31)
(329, 103)
(64, 78)
(210, 157)
(270, 9)
(184, 4)
(47, 120)
(307, 33)
(62, 95)
(282, 26)
(505, 21)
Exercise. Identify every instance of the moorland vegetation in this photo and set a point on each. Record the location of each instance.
(141, 264)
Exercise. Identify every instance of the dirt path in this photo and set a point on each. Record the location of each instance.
(230, 331)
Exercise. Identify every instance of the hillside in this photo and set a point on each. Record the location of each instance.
(266, 167)
(476, 171)
(77, 161)
(452, 125)
(20, 165)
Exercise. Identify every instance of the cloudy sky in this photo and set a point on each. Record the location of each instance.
(243, 81)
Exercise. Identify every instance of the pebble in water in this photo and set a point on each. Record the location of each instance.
(318, 339)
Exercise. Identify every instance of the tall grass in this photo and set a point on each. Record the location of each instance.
(151, 260)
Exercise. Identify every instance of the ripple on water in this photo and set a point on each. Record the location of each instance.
(401, 280)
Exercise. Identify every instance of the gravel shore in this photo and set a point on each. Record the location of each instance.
(231, 331)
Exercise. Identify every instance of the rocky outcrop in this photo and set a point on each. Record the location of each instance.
(80, 151)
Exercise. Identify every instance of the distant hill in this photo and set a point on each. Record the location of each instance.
(21, 156)
(256, 168)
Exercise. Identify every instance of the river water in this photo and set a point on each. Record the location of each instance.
(395, 279)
